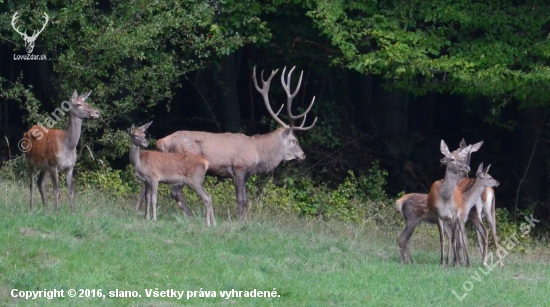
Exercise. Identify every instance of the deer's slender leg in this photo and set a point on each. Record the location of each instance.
(41, 188)
(176, 195)
(141, 197)
(69, 178)
(31, 172)
(55, 181)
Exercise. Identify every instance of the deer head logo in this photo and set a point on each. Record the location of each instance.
(29, 40)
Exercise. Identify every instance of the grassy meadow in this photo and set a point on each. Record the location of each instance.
(107, 246)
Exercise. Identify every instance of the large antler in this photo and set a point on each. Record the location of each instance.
(13, 20)
(34, 34)
(264, 91)
(290, 96)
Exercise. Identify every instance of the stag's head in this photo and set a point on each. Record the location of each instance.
(80, 108)
(292, 148)
(456, 161)
(137, 135)
(29, 40)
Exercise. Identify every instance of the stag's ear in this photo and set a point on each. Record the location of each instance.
(75, 94)
(479, 169)
(144, 127)
(444, 149)
(476, 147)
(85, 96)
(462, 143)
(287, 132)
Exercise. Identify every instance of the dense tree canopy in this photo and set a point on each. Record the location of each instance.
(391, 77)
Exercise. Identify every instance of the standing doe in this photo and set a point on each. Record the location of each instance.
(414, 208)
(238, 156)
(176, 169)
(54, 150)
(444, 198)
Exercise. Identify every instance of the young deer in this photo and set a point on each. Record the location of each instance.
(414, 209)
(444, 198)
(176, 169)
(471, 190)
(54, 150)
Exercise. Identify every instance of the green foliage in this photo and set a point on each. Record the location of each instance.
(132, 54)
(495, 49)
(110, 181)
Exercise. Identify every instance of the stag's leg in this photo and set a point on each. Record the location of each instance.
(491, 219)
(176, 194)
(207, 199)
(31, 172)
(41, 189)
(404, 238)
(55, 182)
(141, 197)
(69, 178)
(240, 188)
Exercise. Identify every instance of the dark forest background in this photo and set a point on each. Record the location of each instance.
(391, 80)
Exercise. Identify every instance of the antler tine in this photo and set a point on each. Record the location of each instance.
(13, 20)
(290, 96)
(302, 128)
(264, 90)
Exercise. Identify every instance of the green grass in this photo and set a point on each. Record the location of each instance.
(108, 246)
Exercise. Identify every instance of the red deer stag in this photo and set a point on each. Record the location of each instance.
(176, 169)
(414, 209)
(238, 156)
(54, 150)
(444, 198)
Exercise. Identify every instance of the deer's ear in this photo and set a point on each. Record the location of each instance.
(464, 152)
(476, 146)
(444, 149)
(462, 143)
(487, 169)
(85, 96)
(144, 127)
(75, 95)
(132, 129)
(479, 169)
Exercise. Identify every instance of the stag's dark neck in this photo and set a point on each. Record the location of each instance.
(73, 132)
(270, 150)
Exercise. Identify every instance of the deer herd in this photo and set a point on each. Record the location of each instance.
(185, 157)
